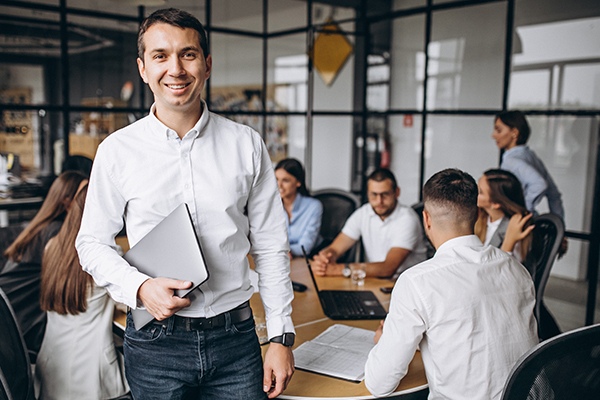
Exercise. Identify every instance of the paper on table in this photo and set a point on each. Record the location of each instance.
(340, 351)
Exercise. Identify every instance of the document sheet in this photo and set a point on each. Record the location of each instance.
(341, 352)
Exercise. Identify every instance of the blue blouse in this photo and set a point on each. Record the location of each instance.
(304, 226)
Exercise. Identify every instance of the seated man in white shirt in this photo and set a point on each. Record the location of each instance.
(469, 309)
(391, 233)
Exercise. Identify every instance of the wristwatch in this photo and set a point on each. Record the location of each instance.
(347, 271)
(287, 339)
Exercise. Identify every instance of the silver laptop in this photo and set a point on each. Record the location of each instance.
(171, 250)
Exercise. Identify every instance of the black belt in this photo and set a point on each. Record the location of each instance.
(238, 314)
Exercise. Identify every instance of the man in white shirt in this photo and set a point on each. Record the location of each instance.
(469, 309)
(203, 346)
(391, 233)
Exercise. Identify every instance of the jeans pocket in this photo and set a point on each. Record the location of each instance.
(148, 333)
(246, 326)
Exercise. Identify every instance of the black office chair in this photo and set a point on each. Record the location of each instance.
(7, 236)
(79, 163)
(547, 237)
(337, 207)
(16, 379)
(564, 367)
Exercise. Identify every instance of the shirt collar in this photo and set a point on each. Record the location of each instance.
(297, 202)
(517, 149)
(467, 240)
(161, 129)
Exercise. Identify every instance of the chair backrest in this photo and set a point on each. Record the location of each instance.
(564, 367)
(547, 238)
(7, 237)
(15, 370)
(337, 207)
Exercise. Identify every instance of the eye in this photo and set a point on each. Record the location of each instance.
(190, 55)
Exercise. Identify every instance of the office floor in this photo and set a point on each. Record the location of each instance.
(566, 300)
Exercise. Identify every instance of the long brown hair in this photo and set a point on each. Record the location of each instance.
(54, 207)
(64, 286)
(506, 191)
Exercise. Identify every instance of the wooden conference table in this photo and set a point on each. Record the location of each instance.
(310, 321)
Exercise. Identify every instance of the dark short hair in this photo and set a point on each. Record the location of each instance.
(455, 191)
(294, 168)
(516, 119)
(381, 174)
(172, 16)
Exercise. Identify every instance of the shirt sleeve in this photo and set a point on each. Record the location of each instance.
(407, 231)
(102, 221)
(310, 234)
(534, 184)
(269, 245)
(403, 330)
(353, 223)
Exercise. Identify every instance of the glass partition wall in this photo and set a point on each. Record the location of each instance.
(343, 86)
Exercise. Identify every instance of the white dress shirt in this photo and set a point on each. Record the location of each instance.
(402, 228)
(470, 311)
(222, 171)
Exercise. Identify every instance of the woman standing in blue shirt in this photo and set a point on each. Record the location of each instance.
(303, 212)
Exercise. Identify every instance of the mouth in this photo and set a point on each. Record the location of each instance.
(178, 86)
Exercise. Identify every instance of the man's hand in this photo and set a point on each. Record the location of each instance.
(378, 332)
(159, 298)
(279, 368)
(321, 262)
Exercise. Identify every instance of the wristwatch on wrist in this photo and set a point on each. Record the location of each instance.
(347, 271)
(287, 339)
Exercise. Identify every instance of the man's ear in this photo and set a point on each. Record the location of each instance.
(142, 69)
(397, 191)
(426, 220)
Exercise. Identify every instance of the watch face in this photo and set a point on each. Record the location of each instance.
(288, 339)
(346, 271)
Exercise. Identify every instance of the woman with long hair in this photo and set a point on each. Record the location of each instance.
(511, 132)
(303, 212)
(503, 220)
(20, 277)
(78, 359)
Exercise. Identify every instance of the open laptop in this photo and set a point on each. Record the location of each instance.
(347, 304)
(171, 250)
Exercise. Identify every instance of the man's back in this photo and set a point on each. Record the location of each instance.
(470, 311)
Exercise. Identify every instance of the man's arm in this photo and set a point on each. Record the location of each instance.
(324, 263)
(383, 269)
(399, 338)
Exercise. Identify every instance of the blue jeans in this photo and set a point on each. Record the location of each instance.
(167, 362)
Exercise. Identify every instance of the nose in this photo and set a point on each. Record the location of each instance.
(176, 67)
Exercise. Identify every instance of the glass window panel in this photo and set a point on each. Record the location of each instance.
(102, 66)
(565, 44)
(322, 13)
(407, 4)
(568, 147)
(407, 62)
(112, 6)
(466, 57)
(286, 137)
(529, 89)
(405, 155)
(476, 153)
(238, 14)
(196, 7)
(581, 86)
(287, 73)
(328, 171)
(236, 77)
(286, 14)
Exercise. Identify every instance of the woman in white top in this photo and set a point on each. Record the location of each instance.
(78, 359)
(503, 220)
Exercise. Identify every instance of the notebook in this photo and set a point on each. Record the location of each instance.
(347, 304)
(172, 250)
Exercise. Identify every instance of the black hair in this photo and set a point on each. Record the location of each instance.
(175, 17)
(294, 168)
(381, 174)
(516, 119)
(455, 191)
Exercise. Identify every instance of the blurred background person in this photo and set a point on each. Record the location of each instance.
(503, 219)
(20, 277)
(78, 359)
(303, 212)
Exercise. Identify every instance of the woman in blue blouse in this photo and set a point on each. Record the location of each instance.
(303, 212)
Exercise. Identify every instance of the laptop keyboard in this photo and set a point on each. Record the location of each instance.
(349, 304)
